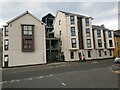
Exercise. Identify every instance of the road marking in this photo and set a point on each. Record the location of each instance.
(40, 77)
(63, 84)
(51, 75)
(60, 81)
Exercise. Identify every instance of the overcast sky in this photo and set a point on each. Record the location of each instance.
(103, 12)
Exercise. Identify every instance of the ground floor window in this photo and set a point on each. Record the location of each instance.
(89, 54)
(110, 52)
(105, 52)
(99, 53)
(72, 55)
(5, 60)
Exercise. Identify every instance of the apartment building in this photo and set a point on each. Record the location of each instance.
(24, 41)
(103, 42)
(79, 37)
(53, 53)
(75, 33)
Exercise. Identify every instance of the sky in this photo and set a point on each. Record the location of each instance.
(103, 12)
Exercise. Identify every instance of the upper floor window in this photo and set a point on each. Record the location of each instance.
(27, 30)
(27, 38)
(6, 44)
(98, 33)
(99, 43)
(59, 22)
(6, 31)
(72, 31)
(72, 20)
(87, 32)
(109, 34)
(73, 40)
(110, 43)
(88, 43)
(87, 21)
(60, 32)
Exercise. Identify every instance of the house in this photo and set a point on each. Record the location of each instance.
(117, 43)
(53, 52)
(103, 42)
(75, 33)
(24, 41)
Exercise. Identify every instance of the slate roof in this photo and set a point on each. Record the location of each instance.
(69, 14)
(117, 33)
(99, 28)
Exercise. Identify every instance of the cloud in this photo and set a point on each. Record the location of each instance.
(109, 23)
(102, 12)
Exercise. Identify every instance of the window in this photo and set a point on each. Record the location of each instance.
(72, 20)
(60, 32)
(59, 22)
(110, 43)
(109, 34)
(87, 32)
(27, 38)
(6, 31)
(110, 52)
(98, 33)
(5, 58)
(49, 22)
(72, 31)
(6, 43)
(27, 30)
(89, 54)
(88, 43)
(99, 53)
(72, 55)
(60, 42)
(73, 40)
(27, 44)
(105, 52)
(99, 43)
(87, 21)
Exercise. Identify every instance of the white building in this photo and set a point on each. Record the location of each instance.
(78, 38)
(104, 42)
(76, 35)
(24, 41)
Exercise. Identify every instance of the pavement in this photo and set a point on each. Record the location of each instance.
(53, 65)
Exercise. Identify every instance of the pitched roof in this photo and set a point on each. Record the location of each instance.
(68, 13)
(117, 33)
(100, 27)
(23, 15)
(49, 14)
